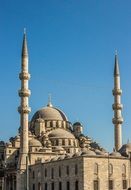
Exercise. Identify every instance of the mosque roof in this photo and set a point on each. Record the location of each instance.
(34, 142)
(49, 113)
(61, 133)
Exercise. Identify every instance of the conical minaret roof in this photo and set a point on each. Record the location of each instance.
(116, 67)
(24, 45)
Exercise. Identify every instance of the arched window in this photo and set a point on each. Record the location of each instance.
(96, 184)
(110, 169)
(76, 169)
(45, 172)
(57, 142)
(52, 186)
(69, 141)
(51, 124)
(52, 173)
(59, 171)
(60, 185)
(124, 184)
(33, 174)
(33, 186)
(46, 186)
(39, 186)
(76, 185)
(67, 170)
(68, 185)
(123, 169)
(111, 184)
(96, 169)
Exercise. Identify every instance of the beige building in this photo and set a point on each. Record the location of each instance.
(51, 153)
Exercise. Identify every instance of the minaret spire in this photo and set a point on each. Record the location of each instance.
(24, 110)
(24, 45)
(117, 106)
(116, 68)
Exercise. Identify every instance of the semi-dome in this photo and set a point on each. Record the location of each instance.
(69, 155)
(49, 113)
(77, 124)
(116, 154)
(77, 154)
(35, 143)
(98, 152)
(125, 149)
(128, 145)
(61, 157)
(88, 152)
(61, 133)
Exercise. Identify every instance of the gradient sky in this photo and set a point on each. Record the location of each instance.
(71, 48)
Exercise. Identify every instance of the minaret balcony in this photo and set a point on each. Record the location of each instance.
(25, 109)
(24, 93)
(116, 92)
(117, 106)
(117, 121)
(24, 76)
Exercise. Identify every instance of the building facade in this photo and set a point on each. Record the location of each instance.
(51, 153)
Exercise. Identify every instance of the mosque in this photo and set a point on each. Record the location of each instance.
(51, 153)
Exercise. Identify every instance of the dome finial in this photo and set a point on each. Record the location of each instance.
(49, 101)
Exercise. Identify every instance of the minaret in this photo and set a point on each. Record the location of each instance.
(117, 107)
(24, 110)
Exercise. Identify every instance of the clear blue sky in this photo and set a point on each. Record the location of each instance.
(71, 47)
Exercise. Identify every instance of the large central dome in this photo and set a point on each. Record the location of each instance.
(49, 113)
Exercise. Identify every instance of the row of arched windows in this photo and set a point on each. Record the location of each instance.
(96, 170)
(64, 142)
(110, 168)
(57, 124)
(111, 184)
(59, 171)
(46, 186)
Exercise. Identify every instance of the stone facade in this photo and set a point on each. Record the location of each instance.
(82, 172)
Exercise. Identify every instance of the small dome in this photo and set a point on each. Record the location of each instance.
(48, 160)
(69, 155)
(61, 133)
(125, 149)
(2, 143)
(9, 144)
(116, 154)
(77, 124)
(128, 146)
(35, 143)
(17, 137)
(89, 152)
(61, 157)
(55, 158)
(98, 152)
(49, 113)
(77, 154)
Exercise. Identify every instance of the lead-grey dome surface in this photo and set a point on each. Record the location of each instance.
(61, 133)
(49, 113)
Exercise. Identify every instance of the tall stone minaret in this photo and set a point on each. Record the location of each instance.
(117, 107)
(24, 110)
